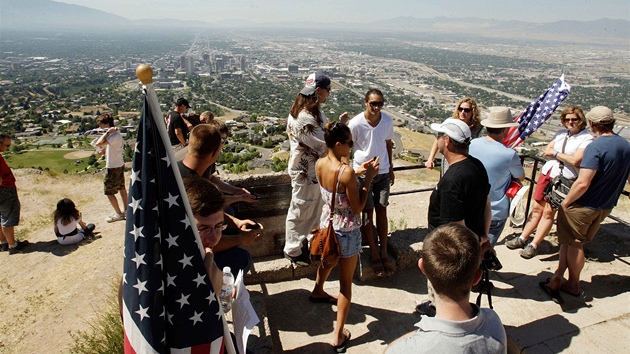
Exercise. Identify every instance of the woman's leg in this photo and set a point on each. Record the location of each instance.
(322, 275)
(534, 218)
(69, 240)
(545, 224)
(346, 271)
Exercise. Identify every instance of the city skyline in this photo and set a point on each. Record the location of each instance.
(355, 11)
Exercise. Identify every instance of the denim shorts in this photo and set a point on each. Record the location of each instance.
(9, 207)
(349, 242)
(379, 191)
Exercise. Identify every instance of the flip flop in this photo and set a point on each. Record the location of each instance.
(377, 267)
(341, 348)
(564, 290)
(323, 300)
(390, 268)
(554, 294)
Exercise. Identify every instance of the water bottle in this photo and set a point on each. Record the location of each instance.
(226, 291)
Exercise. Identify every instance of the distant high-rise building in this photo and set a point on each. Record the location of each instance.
(160, 64)
(219, 64)
(190, 65)
(206, 57)
(293, 68)
(182, 62)
(243, 66)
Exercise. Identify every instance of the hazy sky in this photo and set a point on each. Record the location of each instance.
(361, 10)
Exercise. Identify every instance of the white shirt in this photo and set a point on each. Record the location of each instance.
(574, 142)
(369, 141)
(114, 151)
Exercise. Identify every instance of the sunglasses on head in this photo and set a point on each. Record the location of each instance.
(377, 103)
(462, 109)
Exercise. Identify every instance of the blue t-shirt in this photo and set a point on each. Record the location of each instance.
(609, 155)
(502, 164)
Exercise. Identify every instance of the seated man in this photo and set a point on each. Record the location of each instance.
(205, 145)
(451, 258)
(206, 204)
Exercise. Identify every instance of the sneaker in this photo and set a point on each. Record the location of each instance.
(4, 247)
(303, 260)
(515, 243)
(528, 252)
(115, 217)
(18, 249)
(426, 307)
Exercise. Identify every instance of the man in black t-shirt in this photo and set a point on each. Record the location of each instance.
(177, 127)
(461, 196)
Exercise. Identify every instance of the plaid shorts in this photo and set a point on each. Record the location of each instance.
(114, 180)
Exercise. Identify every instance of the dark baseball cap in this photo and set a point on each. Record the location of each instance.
(182, 102)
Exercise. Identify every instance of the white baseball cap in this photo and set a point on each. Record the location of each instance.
(455, 129)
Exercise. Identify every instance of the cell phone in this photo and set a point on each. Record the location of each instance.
(252, 227)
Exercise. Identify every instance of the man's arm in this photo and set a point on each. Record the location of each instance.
(102, 141)
(580, 186)
(487, 216)
(245, 237)
(239, 194)
(180, 136)
(389, 145)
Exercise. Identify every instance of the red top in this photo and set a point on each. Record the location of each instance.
(8, 180)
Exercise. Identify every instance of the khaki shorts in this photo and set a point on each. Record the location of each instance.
(578, 225)
(114, 180)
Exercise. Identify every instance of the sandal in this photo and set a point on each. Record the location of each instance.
(377, 267)
(553, 293)
(563, 288)
(390, 267)
(341, 348)
(323, 300)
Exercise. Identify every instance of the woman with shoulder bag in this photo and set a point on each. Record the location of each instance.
(565, 155)
(350, 198)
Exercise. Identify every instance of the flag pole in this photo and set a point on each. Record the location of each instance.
(145, 74)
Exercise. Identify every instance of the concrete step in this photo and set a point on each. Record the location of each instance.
(405, 248)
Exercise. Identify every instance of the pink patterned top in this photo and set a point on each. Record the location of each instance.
(344, 220)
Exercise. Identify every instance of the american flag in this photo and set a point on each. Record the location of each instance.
(537, 112)
(169, 305)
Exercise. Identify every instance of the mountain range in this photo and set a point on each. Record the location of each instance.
(38, 15)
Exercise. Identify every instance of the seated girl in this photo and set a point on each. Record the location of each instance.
(67, 217)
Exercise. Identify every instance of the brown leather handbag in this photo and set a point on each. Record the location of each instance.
(324, 246)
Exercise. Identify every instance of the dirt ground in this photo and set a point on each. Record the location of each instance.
(51, 290)
(81, 154)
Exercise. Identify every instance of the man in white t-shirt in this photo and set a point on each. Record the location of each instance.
(372, 134)
(115, 177)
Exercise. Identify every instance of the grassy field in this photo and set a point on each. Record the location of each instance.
(52, 159)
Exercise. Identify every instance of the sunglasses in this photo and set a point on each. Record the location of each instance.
(377, 103)
(571, 119)
(462, 109)
(350, 143)
(327, 88)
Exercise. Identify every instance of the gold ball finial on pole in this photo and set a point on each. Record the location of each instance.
(144, 73)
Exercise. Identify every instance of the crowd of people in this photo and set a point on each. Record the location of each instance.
(352, 160)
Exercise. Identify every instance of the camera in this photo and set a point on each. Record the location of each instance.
(490, 262)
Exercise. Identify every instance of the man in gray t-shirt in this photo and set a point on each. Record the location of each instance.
(458, 325)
